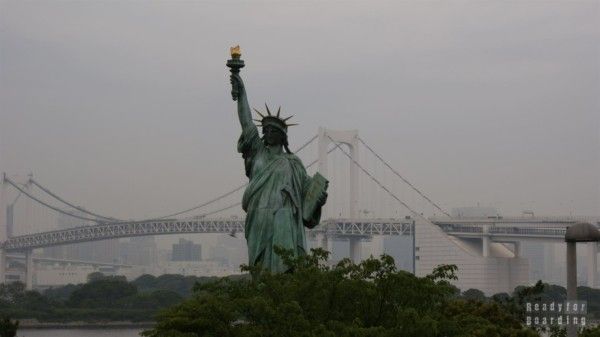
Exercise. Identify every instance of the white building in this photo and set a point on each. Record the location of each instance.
(488, 266)
(58, 275)
(197, 268)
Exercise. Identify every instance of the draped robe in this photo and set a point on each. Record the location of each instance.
(273, 202)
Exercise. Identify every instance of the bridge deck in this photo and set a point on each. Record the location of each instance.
(340, 227)
(501, 228)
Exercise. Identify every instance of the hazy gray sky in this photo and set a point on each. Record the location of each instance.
(126, 108)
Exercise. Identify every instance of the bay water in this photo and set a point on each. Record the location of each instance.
(125, 332)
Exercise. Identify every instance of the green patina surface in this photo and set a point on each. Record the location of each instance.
(276, 194)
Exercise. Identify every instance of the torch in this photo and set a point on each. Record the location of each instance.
(235, 64)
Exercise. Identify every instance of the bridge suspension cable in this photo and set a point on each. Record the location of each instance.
(239, 203)
(402, 178)
(376, 181)
(220, 209)
(100, 218)
(50, 206)
(204, 204)
(306, 144)
(18, 195)
(81, 209)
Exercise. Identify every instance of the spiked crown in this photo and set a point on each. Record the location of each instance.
(274, 120)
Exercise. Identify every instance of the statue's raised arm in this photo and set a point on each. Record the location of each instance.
(238, 92)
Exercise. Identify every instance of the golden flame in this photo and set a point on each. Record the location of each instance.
(235, 51)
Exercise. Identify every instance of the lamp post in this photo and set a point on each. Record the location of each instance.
(580, 232)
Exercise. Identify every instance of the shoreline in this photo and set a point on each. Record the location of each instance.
(34, 324)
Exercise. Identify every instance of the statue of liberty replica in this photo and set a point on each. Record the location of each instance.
(280, 199)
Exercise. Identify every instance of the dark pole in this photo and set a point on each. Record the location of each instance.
(414, 241)
(579, 232)
(571, 281)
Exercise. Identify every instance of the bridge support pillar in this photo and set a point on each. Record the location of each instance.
(355, 251)
(517, 248)
(322, 241)
(29, 269)
(485, 242)
(485, 246)
(377, 248)
(2, 266)
(592, 267)
(3, 226)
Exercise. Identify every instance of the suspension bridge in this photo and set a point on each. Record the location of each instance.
(368, 200)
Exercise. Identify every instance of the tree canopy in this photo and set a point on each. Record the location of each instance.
(372, 299)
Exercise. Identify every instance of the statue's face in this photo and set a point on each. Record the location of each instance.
(273, 136)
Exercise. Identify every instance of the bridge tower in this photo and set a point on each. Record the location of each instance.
(350, 139)
(3, 226)
(7, 231)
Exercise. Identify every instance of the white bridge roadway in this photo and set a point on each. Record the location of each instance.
(551, 229)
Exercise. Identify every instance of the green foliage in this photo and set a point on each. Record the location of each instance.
(102, 292)
(63, 293)
(14, 295)
(367, 299)
(481, 318)
(590, 332)
(145, 281)
(155, 299)
(180, 284)
(11, 293)
(592, 296)
(556, 331)
(474, 294)
(95, 276)
(102, 298)
(8, 328)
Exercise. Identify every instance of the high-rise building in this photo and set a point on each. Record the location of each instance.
(186, 250)
(140, 251)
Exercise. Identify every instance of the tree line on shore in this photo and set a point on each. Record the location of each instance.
(101, 298)
(371, 298)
